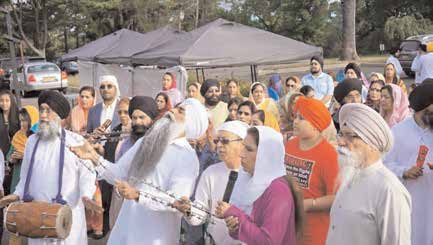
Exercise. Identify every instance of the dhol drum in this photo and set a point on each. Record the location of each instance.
(38, 219)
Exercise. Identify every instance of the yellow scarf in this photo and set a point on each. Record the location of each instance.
(19, 141)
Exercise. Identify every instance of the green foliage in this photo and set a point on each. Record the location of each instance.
(72, 23)
(397, 29)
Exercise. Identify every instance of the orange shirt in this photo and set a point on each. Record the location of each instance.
(316, 171)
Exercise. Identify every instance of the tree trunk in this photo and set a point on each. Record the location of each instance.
(349, 31)
(65, 33)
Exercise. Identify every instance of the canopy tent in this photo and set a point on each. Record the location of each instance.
(104, 44)
(122, 52)
(119, 46)
(223, 43)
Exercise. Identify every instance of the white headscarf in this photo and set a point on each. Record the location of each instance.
(196, 118)
(110, 79)
(269, 166)
(235, 127)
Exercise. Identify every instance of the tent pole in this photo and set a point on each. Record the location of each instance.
(202, 74)
(255, 73)
(132, 82)
(196, 75)
(252, 75)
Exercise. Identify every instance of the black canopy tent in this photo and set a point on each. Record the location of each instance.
(223, 43)
(119, 46)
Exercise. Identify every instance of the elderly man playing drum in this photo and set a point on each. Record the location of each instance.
(160, 162)
(52, 179)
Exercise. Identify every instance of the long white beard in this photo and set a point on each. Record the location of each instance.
(49, 130)
(153, 146)
(350, 166)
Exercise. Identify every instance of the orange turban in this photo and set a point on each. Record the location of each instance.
(313, 111)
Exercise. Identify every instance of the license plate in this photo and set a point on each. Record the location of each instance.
(48, 79)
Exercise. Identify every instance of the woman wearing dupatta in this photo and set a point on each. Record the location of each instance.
(266, 205)
(163, 104)
(80, 112)
(257, 95)
(28, 117)
(394, 104)
(169, 88)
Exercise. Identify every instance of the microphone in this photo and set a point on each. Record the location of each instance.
(230, 184)
(422, 153)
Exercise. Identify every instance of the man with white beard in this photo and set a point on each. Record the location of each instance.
(371, 206)
(43, 164)
(213, 181)
(164, 157)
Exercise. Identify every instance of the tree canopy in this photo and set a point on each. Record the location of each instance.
(52, 27)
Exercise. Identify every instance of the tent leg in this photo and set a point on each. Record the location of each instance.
(255, 73)
(196, 75)
(202, 74)
(132, 82)
(252, 74)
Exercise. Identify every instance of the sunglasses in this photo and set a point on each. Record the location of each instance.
(108, 86)
(224, 141)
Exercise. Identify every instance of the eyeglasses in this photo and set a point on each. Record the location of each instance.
(348, 136)
(108, 86)
(224, 141)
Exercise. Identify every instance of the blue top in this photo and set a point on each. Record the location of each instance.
(323, 84)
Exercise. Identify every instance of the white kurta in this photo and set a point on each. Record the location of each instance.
(147, 222)
(210, 190)
(373, 210)
(78, 182)
(408, 136)
(422, 65)
(2, 169)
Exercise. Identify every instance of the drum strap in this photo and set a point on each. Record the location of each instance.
(59, 199)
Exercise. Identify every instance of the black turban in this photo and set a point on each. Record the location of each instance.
(422, 96)
(318, 59)
(56, 101)
(354, 67)
(144, 104)
(345, 87)
(208, 84)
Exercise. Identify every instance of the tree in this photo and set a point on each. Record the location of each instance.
(349, 31)
(40, 35)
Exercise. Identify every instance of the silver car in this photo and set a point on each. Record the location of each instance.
(37, 76)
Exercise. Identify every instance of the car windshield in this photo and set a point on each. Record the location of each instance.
(409, 45)
(42, 68)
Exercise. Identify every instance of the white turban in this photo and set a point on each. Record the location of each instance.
(368, 125)
(235, 127)
(269, 166)
(196, 118)
(110, 79)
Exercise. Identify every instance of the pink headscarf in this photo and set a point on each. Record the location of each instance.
(400, 110)
(173, 80)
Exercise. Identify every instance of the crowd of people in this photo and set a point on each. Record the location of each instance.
(316, 160)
